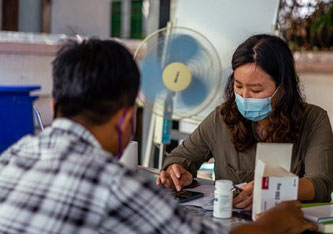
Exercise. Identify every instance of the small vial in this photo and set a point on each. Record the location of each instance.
(223, 199)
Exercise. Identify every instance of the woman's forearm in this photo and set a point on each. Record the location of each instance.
(306, 190)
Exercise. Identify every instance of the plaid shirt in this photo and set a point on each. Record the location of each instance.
(62, 181)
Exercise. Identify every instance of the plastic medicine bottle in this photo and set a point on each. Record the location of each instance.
(222, 199)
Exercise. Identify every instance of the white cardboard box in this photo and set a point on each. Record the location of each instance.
(272, 185)
(275, 154)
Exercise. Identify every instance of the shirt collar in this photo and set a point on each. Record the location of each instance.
(76, 129)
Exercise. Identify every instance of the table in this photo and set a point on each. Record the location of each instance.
(229, 224)
(152, 173)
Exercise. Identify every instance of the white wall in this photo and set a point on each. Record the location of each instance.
(26, 69)
(84, 17)
(92, 17)
(153, 16)
(19, 69)
(226, 23)
(318, 90)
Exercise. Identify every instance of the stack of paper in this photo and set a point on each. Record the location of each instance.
(207, 201)
(322, 214)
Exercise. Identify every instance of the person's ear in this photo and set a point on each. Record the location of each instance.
(127, 118)
(52, 103)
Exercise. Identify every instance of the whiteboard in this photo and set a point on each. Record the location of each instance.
(226, 23)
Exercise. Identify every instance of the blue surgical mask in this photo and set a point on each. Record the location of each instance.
(254, 109)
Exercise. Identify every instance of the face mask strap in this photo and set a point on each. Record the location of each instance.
(133, 122)
(275, 91)
(132, 126)
(120, 134)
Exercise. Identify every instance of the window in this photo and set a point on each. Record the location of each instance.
(115, 19)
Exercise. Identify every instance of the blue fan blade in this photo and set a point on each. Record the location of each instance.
(196, 93)
(182, 48)
(151, 73)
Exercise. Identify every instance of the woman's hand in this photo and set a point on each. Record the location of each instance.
(245, 198)
(175, 177)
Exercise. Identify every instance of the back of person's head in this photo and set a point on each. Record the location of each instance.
(93, 79)
(272, 55)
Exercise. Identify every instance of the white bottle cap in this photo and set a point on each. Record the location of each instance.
(223, 184)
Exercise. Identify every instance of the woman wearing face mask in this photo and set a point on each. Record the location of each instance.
(263, 103)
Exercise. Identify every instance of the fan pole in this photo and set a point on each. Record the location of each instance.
(149, 144)
(161, 156)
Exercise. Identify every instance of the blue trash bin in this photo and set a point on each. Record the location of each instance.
(16, 113)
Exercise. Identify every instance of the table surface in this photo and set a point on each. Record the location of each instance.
(234, 221)
(237, 219)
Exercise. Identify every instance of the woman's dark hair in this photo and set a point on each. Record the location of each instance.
(271, 54)
(94, 79)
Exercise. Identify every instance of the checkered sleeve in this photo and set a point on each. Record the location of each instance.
(138, 206)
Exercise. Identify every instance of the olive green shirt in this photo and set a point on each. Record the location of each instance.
(312, 152)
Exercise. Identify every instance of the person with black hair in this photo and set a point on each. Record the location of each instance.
(263, 103)
(67, 179)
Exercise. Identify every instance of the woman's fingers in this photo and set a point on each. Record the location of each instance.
(245, 194)
(186, 179)
(158, 180)
(175, 180)
(177, 170)
(163, 175)
(165, 180)
(246, 203)
(249, 207)
(174, 177)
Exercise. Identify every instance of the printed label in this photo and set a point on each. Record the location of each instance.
(265, 183)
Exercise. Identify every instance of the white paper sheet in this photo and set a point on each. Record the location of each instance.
(207, 201)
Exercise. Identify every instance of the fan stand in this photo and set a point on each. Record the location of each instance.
(165, 123)
(176, 77)
(159, 133)
(149, 144)
(155, 123)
